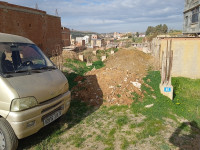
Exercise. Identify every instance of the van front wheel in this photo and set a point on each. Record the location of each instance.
(8, 139)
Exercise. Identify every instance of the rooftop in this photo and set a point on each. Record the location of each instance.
(5, 38)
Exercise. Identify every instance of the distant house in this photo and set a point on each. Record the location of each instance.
(87, 39)
(94, 36)
(96, 43)
(142, 35)
(191, 17)
(116, 35)
(80, 41)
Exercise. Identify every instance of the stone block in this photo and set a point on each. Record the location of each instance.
(112, 52)
(103, 58)
(94, 52)
(81, 58)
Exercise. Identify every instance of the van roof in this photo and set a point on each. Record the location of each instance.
(4, 37)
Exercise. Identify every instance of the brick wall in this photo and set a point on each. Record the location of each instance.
(65, 36)
(41, 28)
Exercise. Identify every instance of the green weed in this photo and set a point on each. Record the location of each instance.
(122, 120)
(125, 144)
(80, 67)
(118, 95)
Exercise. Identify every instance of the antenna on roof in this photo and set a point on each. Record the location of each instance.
(36, 6)
(56, 13)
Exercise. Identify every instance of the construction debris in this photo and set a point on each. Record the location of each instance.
(149, 106)
(113, 84)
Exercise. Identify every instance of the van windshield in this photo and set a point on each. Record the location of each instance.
(20, 57)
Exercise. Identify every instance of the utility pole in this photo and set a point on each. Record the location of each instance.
(56, 13)
(36, 6)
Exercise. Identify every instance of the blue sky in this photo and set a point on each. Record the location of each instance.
(112, 15)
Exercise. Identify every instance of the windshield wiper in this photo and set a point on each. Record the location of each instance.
(21, 71)
(46, 67)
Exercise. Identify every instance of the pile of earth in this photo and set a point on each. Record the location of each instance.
(118, 83)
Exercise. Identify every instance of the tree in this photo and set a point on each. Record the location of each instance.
(159, 29)
(137, 34)
(149, 30)
(129, 35)
(165, 28)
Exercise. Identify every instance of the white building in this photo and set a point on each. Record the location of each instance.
(86, 38)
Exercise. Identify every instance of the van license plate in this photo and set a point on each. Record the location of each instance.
(52, 117)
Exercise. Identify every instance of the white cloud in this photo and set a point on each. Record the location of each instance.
(101, 15)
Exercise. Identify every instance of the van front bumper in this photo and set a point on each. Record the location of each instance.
(28, 122)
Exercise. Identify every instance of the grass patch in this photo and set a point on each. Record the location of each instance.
(102, 126)
(185, 104)
(80, 67)
(151, 128)
(122, 120)
(125, 144)
(136, 96)
(99, 138)
(106, 52)
(98, 64)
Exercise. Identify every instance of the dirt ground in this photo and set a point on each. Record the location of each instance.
(117, 83)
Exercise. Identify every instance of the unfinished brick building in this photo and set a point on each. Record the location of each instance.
(37, 25)
(65, 36)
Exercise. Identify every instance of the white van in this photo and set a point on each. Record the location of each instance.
(33, 92)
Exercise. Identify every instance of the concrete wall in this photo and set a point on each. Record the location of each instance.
(186, 55)
(41, 28)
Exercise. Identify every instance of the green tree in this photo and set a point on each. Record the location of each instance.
(129, 35)
(149, 30)
(159, 29)
(137, 34)
(164, 28)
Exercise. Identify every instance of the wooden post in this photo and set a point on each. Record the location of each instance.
(167, 60)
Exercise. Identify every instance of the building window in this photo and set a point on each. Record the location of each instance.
(195, 15)
(186, 21)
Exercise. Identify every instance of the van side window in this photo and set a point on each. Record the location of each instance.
(7, 65)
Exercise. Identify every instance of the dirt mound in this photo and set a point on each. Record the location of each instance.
(117, 83)
(130, 60)
(69, 54)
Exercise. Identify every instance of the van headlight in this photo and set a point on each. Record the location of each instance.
(23, 103)
(66, 88)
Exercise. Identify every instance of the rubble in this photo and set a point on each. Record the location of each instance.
(137, 84)
(113, 84)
